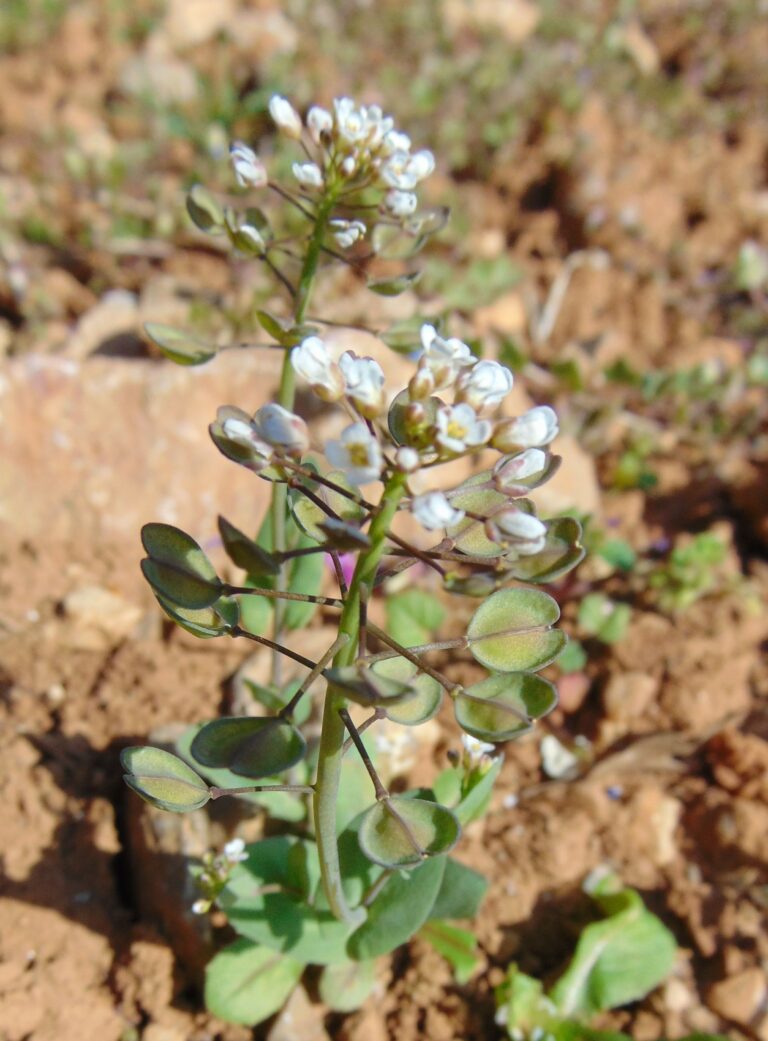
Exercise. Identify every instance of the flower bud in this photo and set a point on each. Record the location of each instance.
(433, 511)
(534, 429)
(313, 363)
(485, 385)
(517, 468)
(400, 204)
(284, 430)
(319, 122)
(407, 459)
(250, 172)
(285, 116)
(309, 175)
(421, 384)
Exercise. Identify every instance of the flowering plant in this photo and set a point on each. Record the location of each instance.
(361, 880)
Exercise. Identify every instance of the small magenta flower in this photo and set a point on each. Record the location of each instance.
(534, 429)
(433, 511)
(485, 385)
(347, 232)
(283, 430)
(285, 116)
(319, 123)
(459, 429)
(314, 364)
(363, 383)
(250, 172)
(357, 453)
(309, 175)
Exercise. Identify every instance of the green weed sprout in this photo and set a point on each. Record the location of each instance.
(367, 868)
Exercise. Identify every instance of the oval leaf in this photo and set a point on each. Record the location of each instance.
(394, 286)
(399, 911)
(167, 544)
(163, 779)
(180, 587)
(203, 209)
(211, 621)
(503, 707)
(247, 983)
(178, 345)
(401, 832)
(249, 746)
(510, 631)
(561, 553)
(345, 986)
(423, 704)
(369, 688)
(246, 553)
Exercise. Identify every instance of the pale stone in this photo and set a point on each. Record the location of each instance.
(97, 618)
(114, 315)
(739, 998)
(190, 22)
(299, 1018)
(629, 694)
(507, 314)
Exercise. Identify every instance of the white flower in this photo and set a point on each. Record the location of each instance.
(433, 511)
(350, 122)
(458, 428)
(285, 116)
(407, 459)
(346, 232)
(485, 385)
(282, 429)
(234, 851)
(396, 141)
(357, 453)
(476, 750)
(422, 383)
(249, 169)
(445, 358)
(404, 171)
(534, 429)
(517, 468)
(421, 164)
(309, 175)
(377, 126)
(313, 363)
(557, 761)
(319, 122)
(400, 204)
(201, 907)
(363, 383)
(349, 166)
(526, 532)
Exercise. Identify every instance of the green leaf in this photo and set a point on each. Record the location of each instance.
(246, 553)
(423, 704)
(400, 832)
(619, 554)
(461, 892)
(604, 618)
(204, 209)
(618, 960)
(345, 986)
(399, 910)
(510, 631)
(163, 780)
(177, 568)
(310, 516)
(394, 286)
(247, 983)
(286, 806)
(504, 706)
(275, 699)
(573, 658)
(262, 903)
(180, 346)
(475, 496)
(468, 792)
(211, 621)
(457, 946)
(366, 687)
(249, 746)
(413, 616)
(561, 553)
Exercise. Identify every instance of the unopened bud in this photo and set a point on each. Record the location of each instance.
(421, 384)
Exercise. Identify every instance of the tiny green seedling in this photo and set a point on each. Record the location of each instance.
(366, 869)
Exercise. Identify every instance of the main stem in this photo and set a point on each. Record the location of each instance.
(333, 732)
(285, 397)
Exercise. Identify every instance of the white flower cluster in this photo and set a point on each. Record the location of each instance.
(355, 146)
(216, 872)
(365, 448)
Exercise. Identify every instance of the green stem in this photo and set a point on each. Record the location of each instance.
(285, 397)
(333, 731)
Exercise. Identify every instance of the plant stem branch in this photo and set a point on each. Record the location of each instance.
(379, 789)
(303, 789)
(414, 659)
